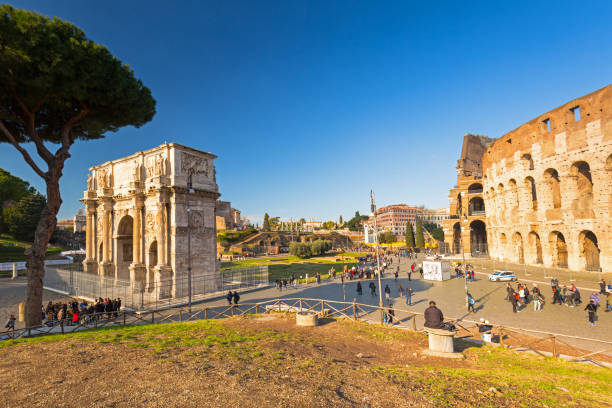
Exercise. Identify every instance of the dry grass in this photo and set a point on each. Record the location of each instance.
(267, 361)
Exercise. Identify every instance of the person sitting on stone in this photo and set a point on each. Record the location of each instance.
(434, 318)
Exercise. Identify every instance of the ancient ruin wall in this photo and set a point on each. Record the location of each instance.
(548, 187)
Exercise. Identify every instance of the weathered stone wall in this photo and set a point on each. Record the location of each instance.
(548, 187)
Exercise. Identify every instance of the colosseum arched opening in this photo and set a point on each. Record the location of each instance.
(501, 203)
(478, 238)
(534, 251)
(553, 186)
(476, 207)
(475, 188)
(456, 238)
(532, 196)
(558, 248)
(519, 252)
(459, 205)
(513, 196)
(580, 174)
(589, 251)
(527, 162)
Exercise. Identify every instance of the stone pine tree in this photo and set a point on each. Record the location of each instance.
(419, 238)
(409, 235)
(266, 222)
(57, 87)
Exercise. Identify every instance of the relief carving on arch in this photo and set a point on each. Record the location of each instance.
(150, 224)
(156, 165)
(195, 165)
(103, 178)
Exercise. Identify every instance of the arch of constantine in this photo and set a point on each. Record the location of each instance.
(139, 210)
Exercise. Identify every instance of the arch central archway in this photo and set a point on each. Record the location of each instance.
(125, 245)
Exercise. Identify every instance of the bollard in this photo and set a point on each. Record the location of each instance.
(414, 322)
(554, 347)
(354, 311)
(15, 274)
(22, 312)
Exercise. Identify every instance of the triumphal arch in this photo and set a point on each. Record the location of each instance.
(147, 214)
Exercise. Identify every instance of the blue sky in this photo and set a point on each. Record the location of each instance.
(310, 104)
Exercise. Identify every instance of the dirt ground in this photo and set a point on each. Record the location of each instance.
(264, 361)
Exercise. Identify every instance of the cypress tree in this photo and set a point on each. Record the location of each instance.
(419, 239)
(266, 222)
(409, 235)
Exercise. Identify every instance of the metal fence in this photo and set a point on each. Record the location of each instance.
(152, 295)
(511, 337)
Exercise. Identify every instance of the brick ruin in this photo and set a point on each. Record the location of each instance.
(547, 189)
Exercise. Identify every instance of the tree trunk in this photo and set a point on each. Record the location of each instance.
(36, 254)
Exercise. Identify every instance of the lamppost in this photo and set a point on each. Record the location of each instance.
(373, 207)
(189, 191)
(461, 219)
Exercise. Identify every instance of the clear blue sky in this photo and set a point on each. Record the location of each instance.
(310, 104)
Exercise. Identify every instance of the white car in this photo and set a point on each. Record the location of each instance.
(498, 276)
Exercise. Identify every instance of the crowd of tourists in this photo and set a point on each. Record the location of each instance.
(73, 313)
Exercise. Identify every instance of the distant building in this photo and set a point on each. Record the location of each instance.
(79, 221)
(64, 224)
(311, 225)
(435, 216)
(393, 218)
(227, 218)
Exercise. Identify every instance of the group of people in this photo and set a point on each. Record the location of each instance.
(232, 296)
(73, 313)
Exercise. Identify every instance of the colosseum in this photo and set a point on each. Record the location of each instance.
(547, 190)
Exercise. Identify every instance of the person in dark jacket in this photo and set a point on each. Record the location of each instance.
(433, 316)
(229, 297)
(236, 297)
(359, 289)
(591, 308)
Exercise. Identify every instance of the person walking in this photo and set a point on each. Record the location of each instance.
(372, 288)
(400, 290)
(514, 301)
(471, 303)
(591, 309)
(409, 296)
(229, 297)
(390, 314)
(396, 273)
(602, 287)
(387, 292)
(10, 324)
(359, 289)
(538, 299)
(236, 297)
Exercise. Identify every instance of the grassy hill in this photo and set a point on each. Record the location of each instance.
(13, 250)
(263, 361)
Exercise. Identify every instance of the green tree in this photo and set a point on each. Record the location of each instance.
(436, 231)
(328, 225)
(56, 87)
(300, 249)
(23, 217)
(387, 238)
(340, 221)
(409, 235)
(12, 189)
(419, 238)
(266, 222)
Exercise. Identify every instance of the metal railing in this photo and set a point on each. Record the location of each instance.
(510, 337)
(155, 293)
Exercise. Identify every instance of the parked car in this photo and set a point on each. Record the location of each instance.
(502, 276)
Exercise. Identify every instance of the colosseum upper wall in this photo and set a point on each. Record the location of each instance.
(548, 187)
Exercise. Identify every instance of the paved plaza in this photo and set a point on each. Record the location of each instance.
(449, 295)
